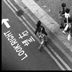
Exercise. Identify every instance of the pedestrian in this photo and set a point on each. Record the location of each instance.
(43, 38)
(66, 21)
(61, 15)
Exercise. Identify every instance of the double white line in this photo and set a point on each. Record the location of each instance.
(68, 68)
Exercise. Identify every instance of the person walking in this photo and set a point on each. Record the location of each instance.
(40, 31)
(43, 38)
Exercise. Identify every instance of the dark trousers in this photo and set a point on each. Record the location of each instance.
(62, 25)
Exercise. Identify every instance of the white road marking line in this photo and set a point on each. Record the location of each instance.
(12, 5)
(58, 63)
(28, 23)
(38, 39)
(64, 63)
(51, 48)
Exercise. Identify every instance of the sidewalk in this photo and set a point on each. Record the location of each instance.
(50, 24)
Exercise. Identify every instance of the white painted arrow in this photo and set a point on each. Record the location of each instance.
(6, 23)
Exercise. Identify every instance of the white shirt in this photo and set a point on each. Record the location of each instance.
(67, 15)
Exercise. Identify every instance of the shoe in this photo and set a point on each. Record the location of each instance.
(39, 49)
(61, 27)
(64, 32)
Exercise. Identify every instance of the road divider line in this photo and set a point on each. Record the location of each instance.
(35, 37)
(21, 16)
(25, 11)
(58, 63)
(28, 23)
(63, 62)
(12, 5)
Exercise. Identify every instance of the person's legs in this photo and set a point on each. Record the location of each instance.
(62, 23)
(41, 45)
(45, 33)
(65, 29)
